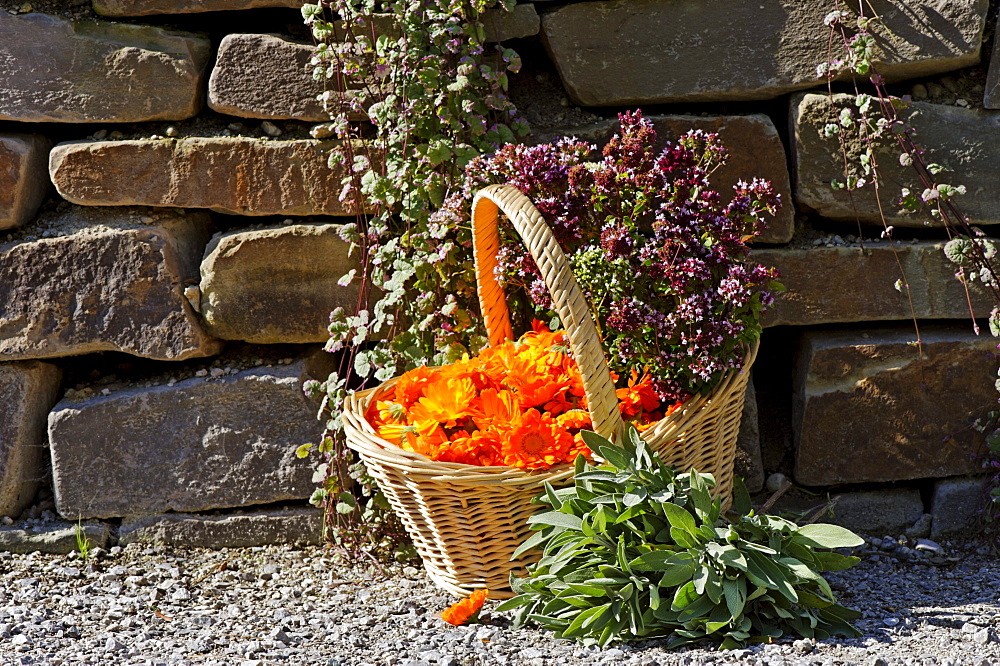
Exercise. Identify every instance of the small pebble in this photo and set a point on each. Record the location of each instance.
(929, 546)
(776, 481)
(270, 128)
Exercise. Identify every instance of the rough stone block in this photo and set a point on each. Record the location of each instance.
(104, 281)
(991, 96)
(276, 285)
(877, 511)
(199, 445)
(755, 151)
(957, 506)
(951, 135)
(147, 7)
(27, 392)
(265, 76)
(55, 538)
(23, 177)
(521, 21)
(87, 72)
(235, 175)
(827, 285)
(242, 529)
(748, 461)
(867, 408)
(627, 52)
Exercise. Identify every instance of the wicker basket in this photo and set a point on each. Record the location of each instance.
(466, 521)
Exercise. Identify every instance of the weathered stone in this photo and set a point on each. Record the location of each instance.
(877, 511)
(868, 409)
(265, 76)
(521, 21)
(626, 52)
(957, 506)
(827, 285)
(748, 463)
(104, 281)
(242, 529)
(87, 72)
(755, 151)
(955, 137)
(198, 445)
(57, 538)
(991, 97)
(23, 177)
(887, 511)
(27, 392)
(276, 285)
(235, 175)
(147, 7)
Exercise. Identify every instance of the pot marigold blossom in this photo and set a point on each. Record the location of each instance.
(575, 419)
(639, 396)
(536, 441)
(496, 408)
(446, 400)
(412, 384)
(466, 609)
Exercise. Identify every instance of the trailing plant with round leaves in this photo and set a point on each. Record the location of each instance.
(634, 550)
(873, 121)
(432, 93)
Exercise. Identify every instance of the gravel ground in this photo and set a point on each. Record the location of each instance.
(279, 605)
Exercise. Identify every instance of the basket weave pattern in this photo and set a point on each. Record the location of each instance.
(466, 521)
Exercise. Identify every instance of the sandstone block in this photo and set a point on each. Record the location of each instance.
(957, 506)
(276, 285)
(265, 76)
(23, 178)
(991, 97)
(234, 175)
(239, 529)
(104, 281)
(56, 538)
(868, 409)
(147, 7)
(86, 72)
(27, 392)
(755, 151)
(877, 511)
(952, 136)
(198, 445)
(521, 21)
(627, 52)
(827, 285)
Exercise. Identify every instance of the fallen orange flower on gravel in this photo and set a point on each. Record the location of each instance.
(460, 612)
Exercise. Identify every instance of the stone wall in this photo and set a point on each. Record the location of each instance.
(169, 251)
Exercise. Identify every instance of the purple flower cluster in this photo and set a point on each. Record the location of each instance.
(660, 254)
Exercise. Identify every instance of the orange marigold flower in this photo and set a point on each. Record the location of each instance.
(412, 384)
(536, 441)
(638, 396)
(481, 448)
(466, 609)
(575, 419)
(391, 412)
(446, 400)
(496, 408)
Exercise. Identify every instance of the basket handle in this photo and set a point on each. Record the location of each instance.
(570, 303)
